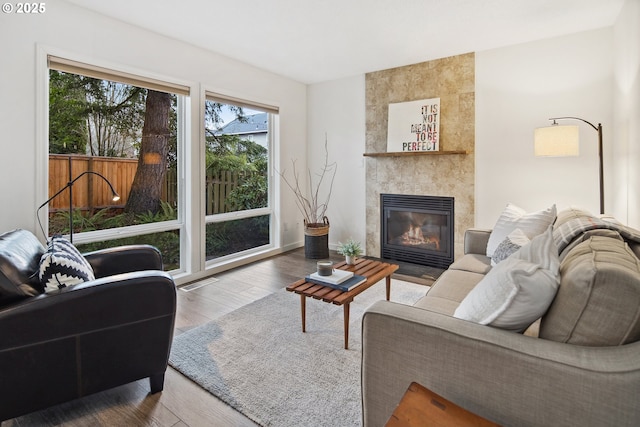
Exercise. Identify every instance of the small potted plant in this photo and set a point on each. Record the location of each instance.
(351, 250)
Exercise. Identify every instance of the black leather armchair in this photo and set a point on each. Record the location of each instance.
(84, 338)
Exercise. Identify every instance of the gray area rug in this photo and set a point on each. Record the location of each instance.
(257, 360)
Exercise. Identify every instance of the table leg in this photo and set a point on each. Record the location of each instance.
(303, 308)
(346, 326)
(388, 288)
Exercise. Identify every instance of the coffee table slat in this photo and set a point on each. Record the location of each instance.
(314, 289)
(299, 286)
(370, 270)
(322, 293)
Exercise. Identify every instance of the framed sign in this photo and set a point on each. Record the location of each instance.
(414, 126)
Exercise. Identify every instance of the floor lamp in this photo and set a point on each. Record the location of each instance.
(69, 185)
(556, 140)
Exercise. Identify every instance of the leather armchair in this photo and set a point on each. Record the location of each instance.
(84, 338)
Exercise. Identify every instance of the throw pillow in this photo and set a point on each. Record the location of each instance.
(598, 300)
(62, 265)
(517, 291)
(512, 217)
(514, 241)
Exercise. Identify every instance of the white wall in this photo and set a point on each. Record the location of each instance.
(626, 177)
(336, 109)
(517, 89)
(70, 30)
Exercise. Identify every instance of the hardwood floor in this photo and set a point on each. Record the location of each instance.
(182, 403)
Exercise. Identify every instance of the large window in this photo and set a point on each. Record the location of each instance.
(124, 129)
(237, 186)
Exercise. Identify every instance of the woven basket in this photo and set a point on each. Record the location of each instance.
(316, 228)
(316, 239)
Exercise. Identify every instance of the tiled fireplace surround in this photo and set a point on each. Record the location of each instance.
(453, 81)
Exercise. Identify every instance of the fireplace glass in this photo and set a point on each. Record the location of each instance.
(418, 229)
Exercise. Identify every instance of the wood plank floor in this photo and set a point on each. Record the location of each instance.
(182, 402)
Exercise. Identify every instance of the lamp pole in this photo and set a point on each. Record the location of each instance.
(69, 185)
(600, 154)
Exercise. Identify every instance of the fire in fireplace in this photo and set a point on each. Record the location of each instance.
(417, 229)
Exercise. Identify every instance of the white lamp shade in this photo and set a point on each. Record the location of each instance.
(557, 141)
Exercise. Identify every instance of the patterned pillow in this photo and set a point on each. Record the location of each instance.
(62, 265)
(514, 241)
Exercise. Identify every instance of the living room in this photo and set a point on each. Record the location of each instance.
(591, 73)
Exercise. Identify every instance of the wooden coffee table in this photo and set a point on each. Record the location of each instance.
(373, 270)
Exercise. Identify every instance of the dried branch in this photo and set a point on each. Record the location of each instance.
(313, 209)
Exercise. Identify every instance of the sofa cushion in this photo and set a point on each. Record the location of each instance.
(517, 291)
(62, 265)
(447, 292)
(472, 263)
(598, 301)
(512, 217)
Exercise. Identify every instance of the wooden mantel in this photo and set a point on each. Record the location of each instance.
(415, 153)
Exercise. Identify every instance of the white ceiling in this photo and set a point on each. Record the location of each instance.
(320, 40)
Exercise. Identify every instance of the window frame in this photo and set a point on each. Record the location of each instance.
(70, 63)
(272, 114)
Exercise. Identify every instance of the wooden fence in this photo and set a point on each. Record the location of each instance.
(91, 192)
(218, 187)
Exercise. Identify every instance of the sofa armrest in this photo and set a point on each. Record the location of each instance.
(505, 377)
(475, 241)
(124, 259)
(100, 304)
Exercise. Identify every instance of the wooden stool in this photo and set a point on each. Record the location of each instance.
(420, 407)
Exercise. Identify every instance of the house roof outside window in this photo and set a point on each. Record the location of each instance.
(252, 125)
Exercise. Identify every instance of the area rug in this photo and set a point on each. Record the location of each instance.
(258, 360)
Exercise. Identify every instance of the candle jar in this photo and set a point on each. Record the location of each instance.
(325, 268)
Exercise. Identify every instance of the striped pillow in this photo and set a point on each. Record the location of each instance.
(512, 217)
(62, 265)
(517, 291)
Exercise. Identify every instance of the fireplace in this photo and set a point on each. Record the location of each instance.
(417, 229)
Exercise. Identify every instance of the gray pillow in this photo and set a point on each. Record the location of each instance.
(598, 301)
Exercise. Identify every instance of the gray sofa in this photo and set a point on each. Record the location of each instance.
(579, 365)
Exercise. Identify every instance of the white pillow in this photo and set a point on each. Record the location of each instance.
(513, 217)
(517, 291)
(514, 241)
